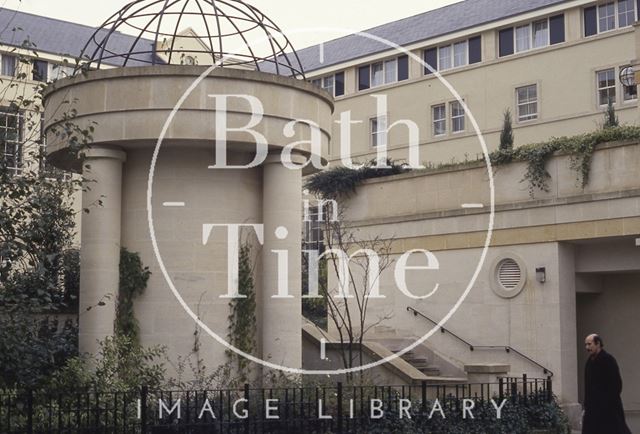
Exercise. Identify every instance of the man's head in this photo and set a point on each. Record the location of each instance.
(593, 344)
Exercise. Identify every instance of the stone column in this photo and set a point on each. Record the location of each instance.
(100, 251)
(281, 319)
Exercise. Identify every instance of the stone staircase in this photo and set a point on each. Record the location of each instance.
(420, 363)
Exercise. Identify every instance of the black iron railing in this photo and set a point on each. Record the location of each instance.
(506, 348)
(337, 408)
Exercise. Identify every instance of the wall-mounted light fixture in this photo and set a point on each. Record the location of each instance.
(541, 274)
(628, 76)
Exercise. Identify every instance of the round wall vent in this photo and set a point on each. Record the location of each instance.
(509, 276)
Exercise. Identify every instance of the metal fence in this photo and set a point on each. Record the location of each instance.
(338, 408)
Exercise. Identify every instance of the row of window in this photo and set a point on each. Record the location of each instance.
(512, 40)
(609, 16)
(40, 69)
(451, 116)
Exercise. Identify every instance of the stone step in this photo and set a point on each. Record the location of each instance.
(430, 371)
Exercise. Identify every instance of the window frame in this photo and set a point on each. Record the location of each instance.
(442, 121)
(453, 118)
(608, 88)
(4, 56)
(18, 143)
(616, 16)
(375, 134)
(519, 104)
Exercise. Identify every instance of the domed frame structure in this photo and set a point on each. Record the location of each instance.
(233, 34)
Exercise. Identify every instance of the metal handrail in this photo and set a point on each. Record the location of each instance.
(506, 348)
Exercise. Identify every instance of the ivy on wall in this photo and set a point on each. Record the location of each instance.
(133, 281)
(342, 181)
(242, 316)
(580, 149)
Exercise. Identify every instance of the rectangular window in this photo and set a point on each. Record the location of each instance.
(378, 127)
(556, 26)
(606, 86)
(384, 72)
(11, 123)
(606, 17)
(475, 50)
(430, 57)
(403, 68)
(364, 77)
(57, 72)
(540, 31)
(506, 42)
(444, 58)
(527, 101)
(8, 65)
(377, 74)
(457, 117)
(590, 21)
(523, 38)
(40, 70)
(626, 13)
(339, 79)
(390, 71)
(460, 54)
(439, 119)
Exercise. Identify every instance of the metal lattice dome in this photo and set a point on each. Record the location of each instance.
(229, 33)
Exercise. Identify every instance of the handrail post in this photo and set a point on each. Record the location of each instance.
(424, 396)
(524, 387)
(144, 391)
(29, 411)
(247, 427)
(339, 407)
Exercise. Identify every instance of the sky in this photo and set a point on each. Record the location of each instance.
(335, 17)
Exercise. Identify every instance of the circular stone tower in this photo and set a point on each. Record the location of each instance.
(218, 83)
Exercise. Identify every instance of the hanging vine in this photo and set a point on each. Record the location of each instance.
(242, 316)
(579, 148)
(133, 281)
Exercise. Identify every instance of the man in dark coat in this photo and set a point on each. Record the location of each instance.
(603, 412)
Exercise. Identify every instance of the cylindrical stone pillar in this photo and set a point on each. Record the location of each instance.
(100, 251)
(281, 319)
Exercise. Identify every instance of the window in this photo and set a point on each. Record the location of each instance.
(540, 34)
(523, 38)
(626, 13)
(385, 72)
(453, 55)
(11, 139)
(606, 86)
(334, 84)
(457, 117)
(609, 16)
(40, 70)
(527, 102)
(439, 119)
(537, 34)
(460, 54)
(8, 65)
(377, 74)
(444, 58)
(57, 72)
(378, 127)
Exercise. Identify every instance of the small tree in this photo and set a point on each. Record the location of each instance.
(506, 135)
(610, 117)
